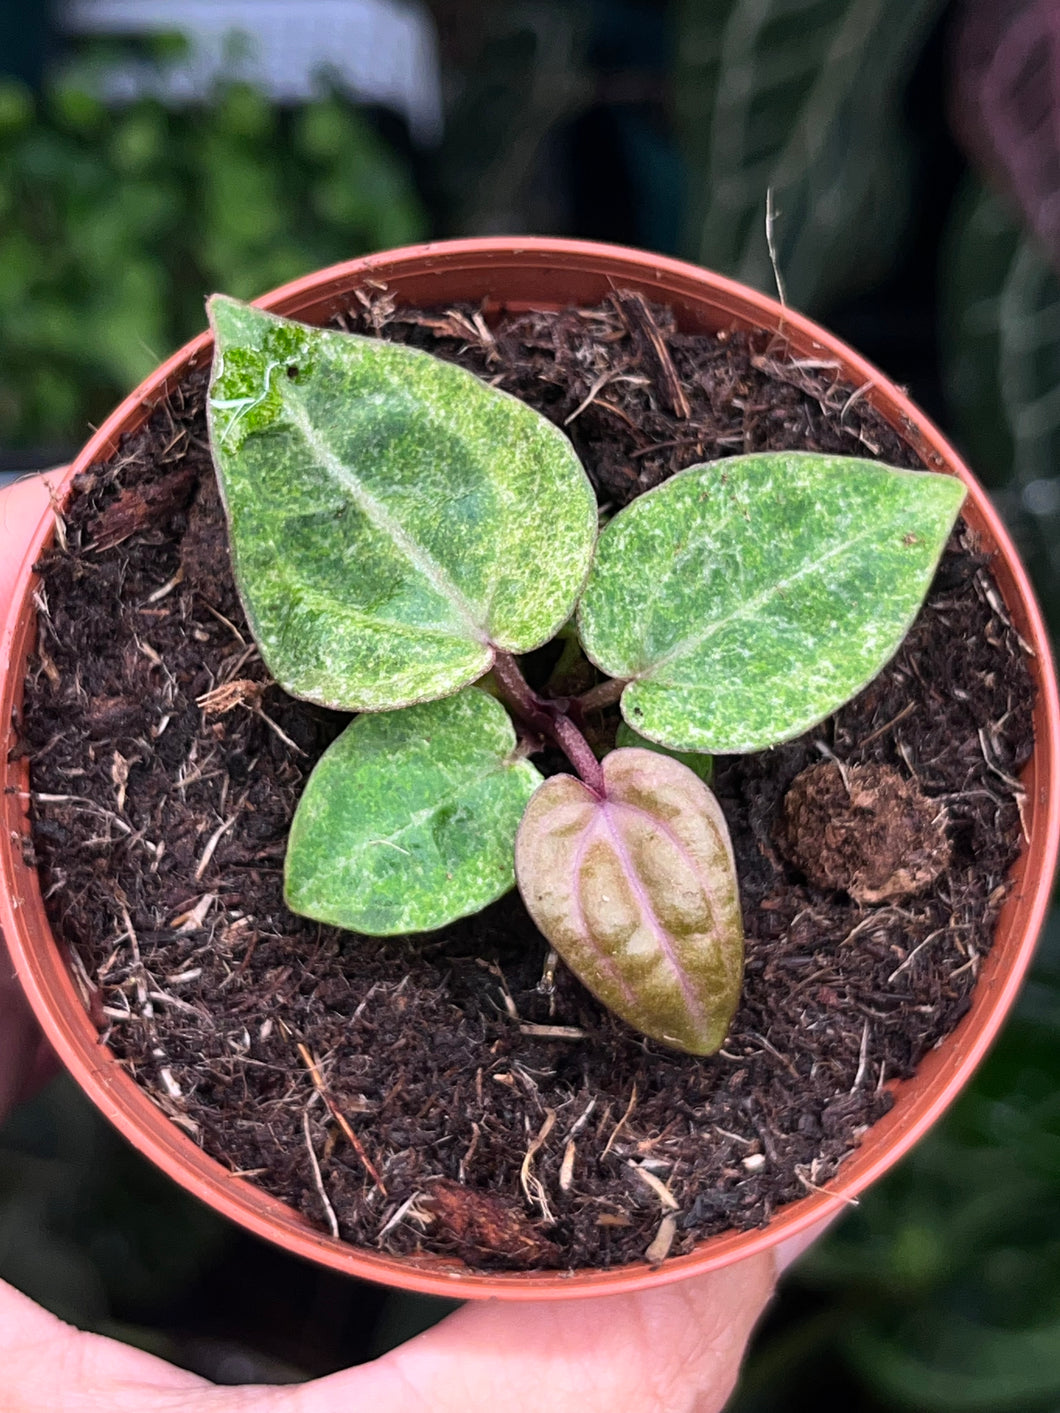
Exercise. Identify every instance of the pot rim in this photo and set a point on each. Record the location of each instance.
(27, 520)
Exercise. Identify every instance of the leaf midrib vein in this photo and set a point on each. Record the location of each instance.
(642, 895)
(749, 607)
(377, 513)
(420, 817)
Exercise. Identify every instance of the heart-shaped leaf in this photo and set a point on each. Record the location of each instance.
(637, 892)
(749, 598)
(392, 518)
(409, 819)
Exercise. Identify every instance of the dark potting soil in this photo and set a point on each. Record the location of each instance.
(450, 1092)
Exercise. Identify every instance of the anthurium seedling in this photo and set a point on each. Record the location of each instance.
(401, 531)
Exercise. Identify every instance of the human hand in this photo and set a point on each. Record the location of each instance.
(676, 1349)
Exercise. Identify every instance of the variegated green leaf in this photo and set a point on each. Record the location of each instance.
(637, 892)
(393, 519)
(749, 598)
(409, 819)
(700, 764)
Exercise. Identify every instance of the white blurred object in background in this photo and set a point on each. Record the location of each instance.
(379, 51)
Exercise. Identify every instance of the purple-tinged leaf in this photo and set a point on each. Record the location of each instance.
(636, 889)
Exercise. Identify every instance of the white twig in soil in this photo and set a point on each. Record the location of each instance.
(509, 999)
(808, 1182)
(583, 1118)
(318, 1180)
(167, 588)
(193, 918)
(875, 920)
(469, 1153)
(82, 803)
(903, 966)
(279, 731)
(408, 1209)
(212, 843)
(566, 1169)
(170, 1085)
(597, 387)
(736, 1138)
(142, 978)
(855, 396)
(340, 1118)
(771, 245)
(830, 755)
(662, 1192)
(663, 1241)
(552, 1032)
(863, 1059)
(766, 1045)
(532, 1185)
(972, 964)
(179, 1005)
(882, 730)
(621, 1123)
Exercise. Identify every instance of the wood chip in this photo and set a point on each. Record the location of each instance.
(663, 1241)
(662, 1192)
(566, 1171)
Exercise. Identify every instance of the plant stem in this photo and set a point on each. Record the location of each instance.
(517, 692)
(578, 752)
(604, 694)
(546, 717)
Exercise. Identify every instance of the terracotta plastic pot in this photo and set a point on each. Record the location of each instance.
(518, 274)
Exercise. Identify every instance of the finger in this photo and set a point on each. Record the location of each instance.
(48, 1367)
(677, 1348)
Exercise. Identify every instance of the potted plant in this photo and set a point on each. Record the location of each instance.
(525, 275)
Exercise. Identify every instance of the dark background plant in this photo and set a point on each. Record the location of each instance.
(661, 125)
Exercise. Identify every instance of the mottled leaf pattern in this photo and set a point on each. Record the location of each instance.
(700, 764)
(392, 518)
(637, 892)
(409, 818)
(748, 598)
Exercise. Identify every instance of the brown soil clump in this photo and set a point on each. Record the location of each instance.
(864, 830)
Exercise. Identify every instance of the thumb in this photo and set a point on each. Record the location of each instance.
(675, 1348)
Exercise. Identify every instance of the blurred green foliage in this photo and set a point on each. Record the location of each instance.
(116, 222)
(802, 98)
(1000, 335)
